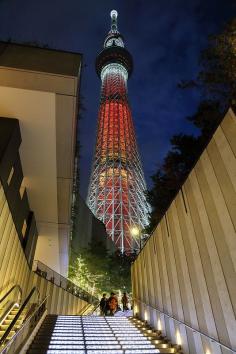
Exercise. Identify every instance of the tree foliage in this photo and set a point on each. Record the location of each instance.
(96, 270)
(218, 61)
(217, 83)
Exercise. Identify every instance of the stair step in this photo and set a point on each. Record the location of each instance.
(7, 322)
(5, 327)
(158, 341)
(163, 345)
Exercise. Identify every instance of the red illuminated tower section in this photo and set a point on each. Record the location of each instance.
(117, 185)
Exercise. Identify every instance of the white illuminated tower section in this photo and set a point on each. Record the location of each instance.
(117, 185)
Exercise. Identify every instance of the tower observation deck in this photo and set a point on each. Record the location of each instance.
(117, 185)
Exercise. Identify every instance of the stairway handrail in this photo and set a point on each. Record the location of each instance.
(5, 335)
(188, 326)
(82, 294)
(87, 307)
(24, 324)
(10, 290)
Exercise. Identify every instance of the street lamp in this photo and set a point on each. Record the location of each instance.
(136, 233)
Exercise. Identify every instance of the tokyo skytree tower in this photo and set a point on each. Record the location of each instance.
(117, 185)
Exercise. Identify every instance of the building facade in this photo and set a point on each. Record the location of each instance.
(19, 274)
(38, 116)
(89, 231)
(39, 88)
(117, 185)
(184, 280)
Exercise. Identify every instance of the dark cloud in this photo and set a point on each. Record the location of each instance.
(164, 37)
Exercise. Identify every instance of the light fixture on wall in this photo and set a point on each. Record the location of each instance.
(159, 327)
(137, 235)
(178, 338)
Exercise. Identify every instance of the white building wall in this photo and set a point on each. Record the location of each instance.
(36, 112)
(187, 269)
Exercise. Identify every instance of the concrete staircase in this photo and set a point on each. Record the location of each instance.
(97, 335)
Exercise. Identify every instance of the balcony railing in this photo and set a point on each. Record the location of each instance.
(47, 273)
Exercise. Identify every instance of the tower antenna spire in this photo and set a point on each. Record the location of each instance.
(114, 15)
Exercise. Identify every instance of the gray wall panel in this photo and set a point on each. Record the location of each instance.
(190, 260)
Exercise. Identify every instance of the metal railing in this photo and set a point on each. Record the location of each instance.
(47, 273)
(8, 301)
(91, 311)
(28, 325)
(23, 306)
(9, 292)
(194, 330)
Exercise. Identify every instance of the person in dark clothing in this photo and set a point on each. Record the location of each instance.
(125, 301)
(112, 306)
(111, 296)
(103, 304)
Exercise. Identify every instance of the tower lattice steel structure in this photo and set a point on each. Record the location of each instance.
(117, 185)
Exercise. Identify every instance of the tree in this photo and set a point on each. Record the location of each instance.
(216, 79)
(97, 271)
(218, 61)
(171, 175)
(217, 83)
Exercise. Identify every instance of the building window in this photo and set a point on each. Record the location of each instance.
(10, 176)
(24, 227)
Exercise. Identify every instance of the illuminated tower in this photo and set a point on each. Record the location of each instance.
(117, 185)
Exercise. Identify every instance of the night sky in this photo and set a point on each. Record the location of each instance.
(165, 38)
